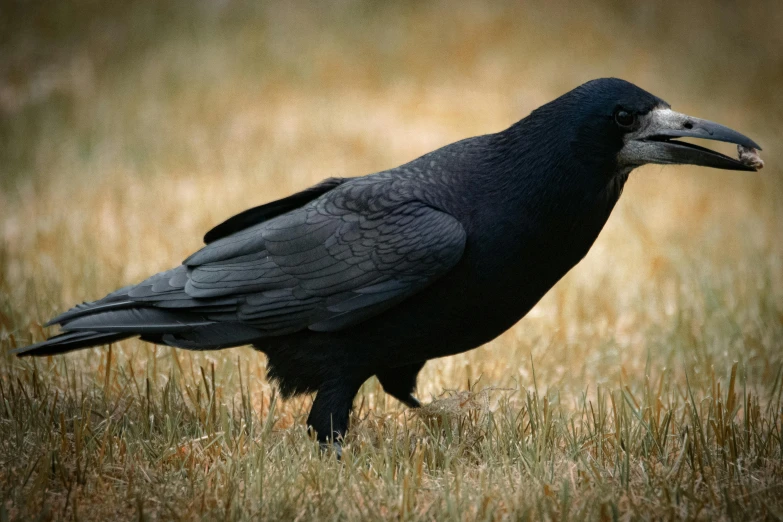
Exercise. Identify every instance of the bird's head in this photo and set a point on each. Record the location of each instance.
(618, 126)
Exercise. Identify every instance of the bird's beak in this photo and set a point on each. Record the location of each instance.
(654, 142)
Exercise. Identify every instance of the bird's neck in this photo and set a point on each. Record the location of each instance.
(540, 194)
(536, 173)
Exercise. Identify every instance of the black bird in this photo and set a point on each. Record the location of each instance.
(375, 275)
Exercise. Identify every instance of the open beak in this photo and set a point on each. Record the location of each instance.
(655, 142)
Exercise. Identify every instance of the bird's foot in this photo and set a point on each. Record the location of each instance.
(412, 402)
(332, 446)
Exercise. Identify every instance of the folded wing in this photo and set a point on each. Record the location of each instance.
(334, 262)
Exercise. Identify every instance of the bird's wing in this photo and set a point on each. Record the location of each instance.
(340, 259)
(269, 210)
(333, 263)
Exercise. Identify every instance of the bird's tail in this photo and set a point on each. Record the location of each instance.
(172, 318)
(78, 338)
(117, 317)
(69, 341)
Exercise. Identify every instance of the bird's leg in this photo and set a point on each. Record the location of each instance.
(400, 382)
(331, 411)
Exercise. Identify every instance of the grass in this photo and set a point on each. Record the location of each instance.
(646, 385)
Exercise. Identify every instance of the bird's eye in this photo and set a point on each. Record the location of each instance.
(624, 118)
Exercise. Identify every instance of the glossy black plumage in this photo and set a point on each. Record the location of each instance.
(375, 275)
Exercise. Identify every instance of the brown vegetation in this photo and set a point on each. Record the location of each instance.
(646, 384)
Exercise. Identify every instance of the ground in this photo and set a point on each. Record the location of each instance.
(646, 385)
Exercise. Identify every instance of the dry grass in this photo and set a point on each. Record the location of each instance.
(646, 384)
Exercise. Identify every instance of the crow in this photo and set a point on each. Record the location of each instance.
(375, 275)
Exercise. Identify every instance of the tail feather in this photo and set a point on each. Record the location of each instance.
(113, 301)
(87, 309)
(95, 325)
(69, 341)
(172, 318)
(137, 321)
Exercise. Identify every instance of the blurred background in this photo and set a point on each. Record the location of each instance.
(128, 129)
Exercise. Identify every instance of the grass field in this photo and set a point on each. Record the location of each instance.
(646, 385)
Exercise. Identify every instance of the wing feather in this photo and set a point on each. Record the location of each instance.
(331, 263)
(341, 258)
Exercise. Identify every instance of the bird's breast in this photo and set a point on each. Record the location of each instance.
(514, 263)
